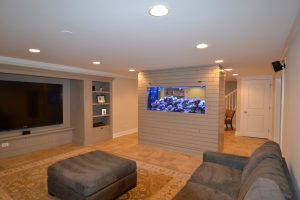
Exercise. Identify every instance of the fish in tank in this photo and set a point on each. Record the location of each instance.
(187, 99)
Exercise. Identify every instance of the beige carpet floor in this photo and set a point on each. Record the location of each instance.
(161, 173)
(28, 182)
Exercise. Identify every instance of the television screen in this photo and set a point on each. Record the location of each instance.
(186, 99)
(26, 105)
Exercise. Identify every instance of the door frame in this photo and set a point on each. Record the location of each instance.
(277, 110)
(241, 106)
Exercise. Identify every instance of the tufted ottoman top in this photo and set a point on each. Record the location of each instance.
(90, 172)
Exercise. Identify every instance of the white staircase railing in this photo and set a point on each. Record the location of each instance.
(231, 100)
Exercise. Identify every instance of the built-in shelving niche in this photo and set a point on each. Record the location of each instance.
(101, 103)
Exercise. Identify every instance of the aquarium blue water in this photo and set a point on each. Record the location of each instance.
(177, 99)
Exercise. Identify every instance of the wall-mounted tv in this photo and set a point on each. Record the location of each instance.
(186, 99)
(25, 104)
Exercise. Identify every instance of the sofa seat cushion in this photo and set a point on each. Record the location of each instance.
(90, 172)
(192, 191)
(268, 150)
(221, 178)
(271, 169)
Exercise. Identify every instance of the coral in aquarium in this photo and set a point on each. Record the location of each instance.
(174, 104)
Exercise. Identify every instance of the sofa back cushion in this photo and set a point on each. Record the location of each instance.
(268, 150)
(265, 189)
(271, 169)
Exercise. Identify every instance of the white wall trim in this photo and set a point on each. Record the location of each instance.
(127, 132)
(277, 111)
(237, 133)
(55, 67)
(282, 107)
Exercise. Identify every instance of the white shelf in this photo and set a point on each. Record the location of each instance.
(104, 126)
(103, 92)
(100, 104)
(100, 115)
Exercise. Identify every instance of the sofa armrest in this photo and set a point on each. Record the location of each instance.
(229, 160)
(295, 196)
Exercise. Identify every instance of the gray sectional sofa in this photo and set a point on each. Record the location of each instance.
(263, 175)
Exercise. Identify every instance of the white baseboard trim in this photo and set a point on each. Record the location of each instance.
(127, 132)
(234, 126)
(237, 133)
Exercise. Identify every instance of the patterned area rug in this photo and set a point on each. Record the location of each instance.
(29, 181)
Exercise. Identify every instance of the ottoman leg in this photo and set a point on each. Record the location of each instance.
(51, 194)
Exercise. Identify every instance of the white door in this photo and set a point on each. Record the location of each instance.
(256, 108)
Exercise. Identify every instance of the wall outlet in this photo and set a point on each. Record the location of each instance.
(4, 145)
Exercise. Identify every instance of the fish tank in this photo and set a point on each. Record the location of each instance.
(188, 99)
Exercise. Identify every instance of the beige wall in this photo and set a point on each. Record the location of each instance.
(291, 129)
(125, 106)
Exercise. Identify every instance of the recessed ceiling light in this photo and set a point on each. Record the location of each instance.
(228, 69)
(159, 11)
(202, 46)
(66, 31)
(235, 74)
(220, 61)
(132, 70)
(96, 62)
(34, 50)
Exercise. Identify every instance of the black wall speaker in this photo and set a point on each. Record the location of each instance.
(277, 66)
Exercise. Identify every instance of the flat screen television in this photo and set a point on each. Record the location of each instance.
(26, 105)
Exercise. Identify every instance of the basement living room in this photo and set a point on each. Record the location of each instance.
(149, 100)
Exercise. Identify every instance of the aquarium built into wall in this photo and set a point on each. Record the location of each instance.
(188, 99)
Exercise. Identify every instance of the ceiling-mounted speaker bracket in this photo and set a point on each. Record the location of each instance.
(278, 66)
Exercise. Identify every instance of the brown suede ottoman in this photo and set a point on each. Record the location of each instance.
(94, 175)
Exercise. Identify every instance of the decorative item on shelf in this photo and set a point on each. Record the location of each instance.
(100, 89)
(93, 88)
(100, 99)
(103, 111)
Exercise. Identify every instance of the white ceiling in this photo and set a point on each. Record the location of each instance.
(247, 34)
